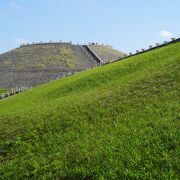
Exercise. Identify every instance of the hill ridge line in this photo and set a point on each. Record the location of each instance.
(61, 43)
(158, 45)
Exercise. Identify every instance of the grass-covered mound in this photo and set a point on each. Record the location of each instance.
(116, 121)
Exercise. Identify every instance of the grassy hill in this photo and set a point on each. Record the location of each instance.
(112, 122)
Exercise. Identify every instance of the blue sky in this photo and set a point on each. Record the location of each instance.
(127, 25)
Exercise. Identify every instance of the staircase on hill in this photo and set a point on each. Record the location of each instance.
(92, 55)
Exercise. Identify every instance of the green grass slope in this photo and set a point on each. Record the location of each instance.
(112, 122)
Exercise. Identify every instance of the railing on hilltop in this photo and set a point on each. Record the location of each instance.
(45, 43)
(60, 43)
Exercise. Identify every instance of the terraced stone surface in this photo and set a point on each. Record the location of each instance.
(107, 54)
(36, 64)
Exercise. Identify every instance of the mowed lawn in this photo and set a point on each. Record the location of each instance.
(118, 121)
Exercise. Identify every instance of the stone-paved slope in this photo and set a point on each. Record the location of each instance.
(106, 53)
(32, 65)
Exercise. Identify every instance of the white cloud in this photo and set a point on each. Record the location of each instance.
(21, 41)
(166, 34)
(15, 6)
